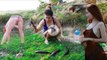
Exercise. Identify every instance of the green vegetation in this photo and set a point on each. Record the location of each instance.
(103, 7)
(34, 42)
(25, 14)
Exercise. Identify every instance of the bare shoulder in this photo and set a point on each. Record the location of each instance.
(100, 23)
(42, 20)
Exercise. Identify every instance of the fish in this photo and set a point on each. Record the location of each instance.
(66, 53)
(42, 52)
(55, 52)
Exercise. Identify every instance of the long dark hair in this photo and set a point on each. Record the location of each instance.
(94, 10)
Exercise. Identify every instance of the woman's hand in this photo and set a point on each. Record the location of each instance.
(61, 35)
(16, 26)
(35, 29)
(84, 44)
(82, 40)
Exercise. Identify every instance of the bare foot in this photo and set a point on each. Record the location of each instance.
(46, 42)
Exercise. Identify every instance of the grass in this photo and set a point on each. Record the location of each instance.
(34, 42)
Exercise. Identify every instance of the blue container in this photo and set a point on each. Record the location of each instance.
(77, 32)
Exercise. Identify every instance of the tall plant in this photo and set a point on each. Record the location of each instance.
(54, 1)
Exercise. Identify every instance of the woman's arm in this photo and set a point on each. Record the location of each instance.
(59, 26)
(102, 33)
(39, 27)
(16, 26)
(66, 39)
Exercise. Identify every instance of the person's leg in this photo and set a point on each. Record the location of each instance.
(4, 29)
(7, 29)
(46, 38)
(46, 41)
(21, 33)
(6, 35)
(20, 28)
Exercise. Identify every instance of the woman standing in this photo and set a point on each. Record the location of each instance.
(94, 35)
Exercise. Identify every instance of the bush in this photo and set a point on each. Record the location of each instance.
(54, 1)
(26, 15)
(4, 18)
(103, 7)
(73, 19)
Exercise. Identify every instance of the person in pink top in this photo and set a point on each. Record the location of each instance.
(14, 21)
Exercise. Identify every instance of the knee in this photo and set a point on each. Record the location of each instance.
(47, 35)
(20, 30)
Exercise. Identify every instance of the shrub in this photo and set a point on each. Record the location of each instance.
(103, 7)
(4, 18)
(73, 19)
(26, 15)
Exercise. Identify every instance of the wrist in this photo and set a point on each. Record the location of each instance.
(91, 39)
